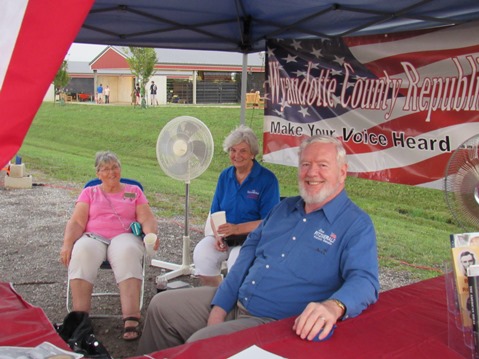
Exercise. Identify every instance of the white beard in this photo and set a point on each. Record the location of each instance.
(318, 197)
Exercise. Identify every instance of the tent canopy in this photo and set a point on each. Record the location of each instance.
(223, 25)
(244, 25)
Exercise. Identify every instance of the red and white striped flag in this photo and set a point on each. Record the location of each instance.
(35, 37)
(401, 103)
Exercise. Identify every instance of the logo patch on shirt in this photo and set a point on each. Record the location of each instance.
(253, 194)
(323, 237)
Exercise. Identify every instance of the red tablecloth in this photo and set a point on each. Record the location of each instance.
(408, 322)
(23, 325)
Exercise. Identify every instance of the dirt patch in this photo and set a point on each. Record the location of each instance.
(33, 221)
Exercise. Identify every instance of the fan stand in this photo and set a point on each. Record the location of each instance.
(186, 267)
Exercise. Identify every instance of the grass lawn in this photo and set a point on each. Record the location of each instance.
(413, 224)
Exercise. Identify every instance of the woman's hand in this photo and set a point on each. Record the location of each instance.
(225, 230)
(220, 244)
(73, 231)
(228, 229)
(66, 254)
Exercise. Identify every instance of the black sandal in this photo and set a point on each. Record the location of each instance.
(132, 329)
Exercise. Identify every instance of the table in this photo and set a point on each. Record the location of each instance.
(22, 324)
(408, 322)
(84, 97)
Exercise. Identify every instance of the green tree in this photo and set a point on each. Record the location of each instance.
(142, 61)
(61, 79)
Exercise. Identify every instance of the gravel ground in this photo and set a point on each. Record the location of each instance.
(33, 221)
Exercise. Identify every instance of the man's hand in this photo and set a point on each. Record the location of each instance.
(317, 316)
(217, 315)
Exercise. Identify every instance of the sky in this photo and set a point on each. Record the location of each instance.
(83, 52)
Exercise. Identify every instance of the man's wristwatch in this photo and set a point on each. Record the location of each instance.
(341, 306)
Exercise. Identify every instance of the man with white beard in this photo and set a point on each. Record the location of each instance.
(313, 257)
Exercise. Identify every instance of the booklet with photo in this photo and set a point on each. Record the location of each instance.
(473, 280)
(465, 252)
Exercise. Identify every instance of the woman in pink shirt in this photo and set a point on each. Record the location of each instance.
(99, 229)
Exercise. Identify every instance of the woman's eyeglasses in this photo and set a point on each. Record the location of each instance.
(242, 151)
(108, 169)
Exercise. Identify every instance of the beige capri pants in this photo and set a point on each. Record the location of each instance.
(125, 254)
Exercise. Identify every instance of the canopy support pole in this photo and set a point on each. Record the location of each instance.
(195, 75)
(244, 83)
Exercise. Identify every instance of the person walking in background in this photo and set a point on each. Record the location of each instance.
(99, 93)
(138, 94)
(246, 191)
(107, 94)
(133, 97)
(153, 90)
(314, 257)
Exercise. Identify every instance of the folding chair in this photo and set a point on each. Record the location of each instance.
(106, 265)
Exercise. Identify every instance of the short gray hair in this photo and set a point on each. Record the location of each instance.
(242, 134)
(104, 157)
(340, 150)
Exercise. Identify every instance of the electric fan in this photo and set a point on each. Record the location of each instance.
(461, 184)
(184, 150)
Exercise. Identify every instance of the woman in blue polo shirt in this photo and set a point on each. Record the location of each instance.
(246, 191)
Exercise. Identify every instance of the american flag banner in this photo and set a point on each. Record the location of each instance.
(401, 103)
(35, 37)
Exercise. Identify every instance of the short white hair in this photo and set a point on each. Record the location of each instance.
(340, 150)
(242, 134)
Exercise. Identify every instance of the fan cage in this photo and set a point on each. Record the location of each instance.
(461, 184)
(184, 148)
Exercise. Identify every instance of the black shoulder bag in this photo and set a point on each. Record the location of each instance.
(77, 331)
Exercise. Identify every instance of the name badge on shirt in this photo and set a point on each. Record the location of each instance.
(129, 195)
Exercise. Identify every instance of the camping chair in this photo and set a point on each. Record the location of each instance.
(106, 265)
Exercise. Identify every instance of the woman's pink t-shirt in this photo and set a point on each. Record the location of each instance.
(102, 218)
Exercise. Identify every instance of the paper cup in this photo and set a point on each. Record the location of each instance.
(150, 240)
(218, 218)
